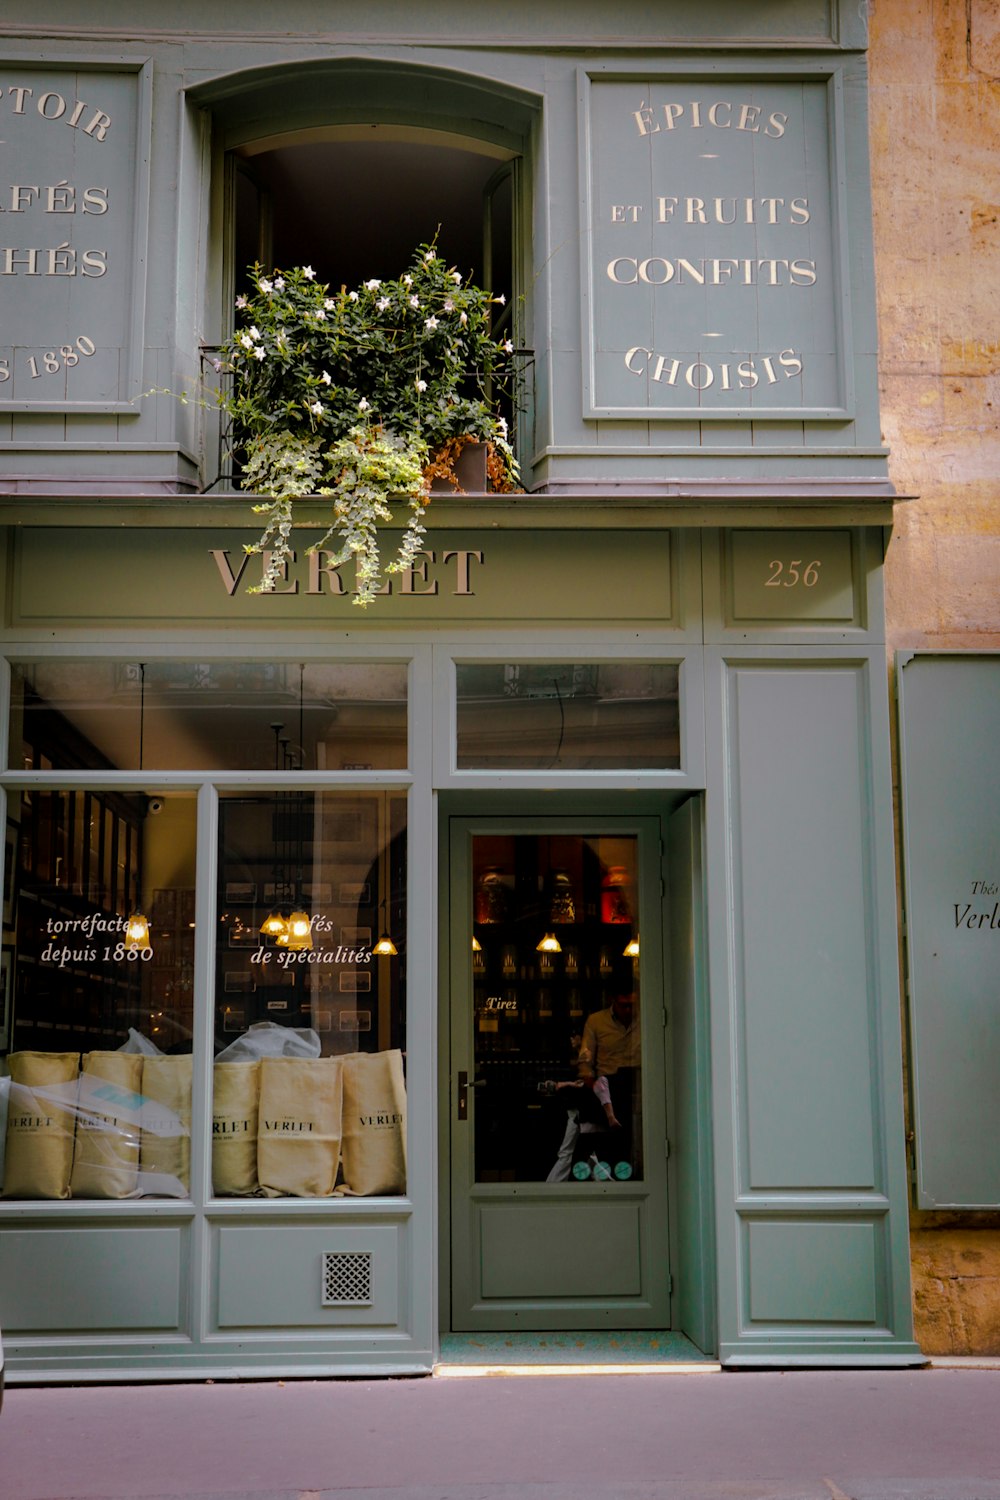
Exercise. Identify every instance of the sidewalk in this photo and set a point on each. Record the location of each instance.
(870, 1435)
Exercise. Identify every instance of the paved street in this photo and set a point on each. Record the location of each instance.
(924, 1435)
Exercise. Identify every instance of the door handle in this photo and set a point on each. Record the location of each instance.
(464, 1085)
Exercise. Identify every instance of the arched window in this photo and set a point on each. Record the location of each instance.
(349, 166)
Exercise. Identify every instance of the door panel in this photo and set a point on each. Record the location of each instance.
(557, 1067)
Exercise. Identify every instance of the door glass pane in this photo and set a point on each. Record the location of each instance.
(96, 994)
(557, 1079)
(591, 716)
(309, 1092)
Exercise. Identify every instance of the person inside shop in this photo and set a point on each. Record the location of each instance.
(601, 1100)
(608, 1064)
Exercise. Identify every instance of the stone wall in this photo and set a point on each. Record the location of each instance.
(935, 133)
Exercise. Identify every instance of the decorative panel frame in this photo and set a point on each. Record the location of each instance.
(77, 349)
(713, 382)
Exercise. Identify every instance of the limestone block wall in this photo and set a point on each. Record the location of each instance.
(935, 141)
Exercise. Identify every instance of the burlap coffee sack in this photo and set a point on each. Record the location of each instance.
(235, 1099)
(298, 1129)
(374, 1141)
(106, 1158)
(165, 1155)
(40, 1114)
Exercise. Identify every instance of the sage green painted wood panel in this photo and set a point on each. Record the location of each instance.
(121, 1278)
(690, 1123)
(712, 238)
(778, 576)
(73, 305)
(588, 22)
(204, 576)
(949, 714)
(590, 1249)
(797, 762)
(812, 1273)
(273, 1276)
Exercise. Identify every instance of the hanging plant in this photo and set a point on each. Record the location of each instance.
(364, 396)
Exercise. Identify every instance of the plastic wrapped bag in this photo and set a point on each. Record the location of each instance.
(269, 1039)
(40, 1124)
(106, 1155)
(165, 1150)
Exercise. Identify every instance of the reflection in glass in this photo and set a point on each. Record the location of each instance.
(209, 715)
(555, 716)
(555, 1018)
(309, 1093)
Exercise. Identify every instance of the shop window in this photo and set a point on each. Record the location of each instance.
(97, 968)
(177, 715)
(569, 717)
(309, 1091)
(96, 994)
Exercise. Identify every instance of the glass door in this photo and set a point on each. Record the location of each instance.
(559, 1181)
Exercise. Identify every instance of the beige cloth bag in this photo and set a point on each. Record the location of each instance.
(106, 1158)
(374, 1143)
(298, 1133)
(165, 1155)
(235, 1100)
(39, 1148)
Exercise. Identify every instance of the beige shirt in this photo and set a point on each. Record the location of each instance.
(608, 1045)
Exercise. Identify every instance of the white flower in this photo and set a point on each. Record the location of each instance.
(407, 280)
(246, 341)
(254, 332)
(414, 301)
(430, 323)
(308, 273)
(382, 304)
(326, 377)
(501, 299)
(217, 366)
(353, 296)
(329, 304)
(508, 347)
(363, 404)
(319, 315)
(502, 424)
(456, 278)
(279, 282)
(259, 352)
(449, 305)
(428, 256)
(373, 285)
(421, 385)
(241, 300)
(463, 318)
(318, 408)
(265, 285)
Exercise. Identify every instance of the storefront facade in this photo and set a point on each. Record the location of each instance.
(611, 760)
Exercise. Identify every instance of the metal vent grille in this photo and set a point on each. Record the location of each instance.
(347, 1278)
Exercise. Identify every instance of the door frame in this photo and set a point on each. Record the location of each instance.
(691, 1249)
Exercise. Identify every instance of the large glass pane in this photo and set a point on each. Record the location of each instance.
(96, 996)
(183, 715)
(536, 716)
(556, 1008)
(310, 1005)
